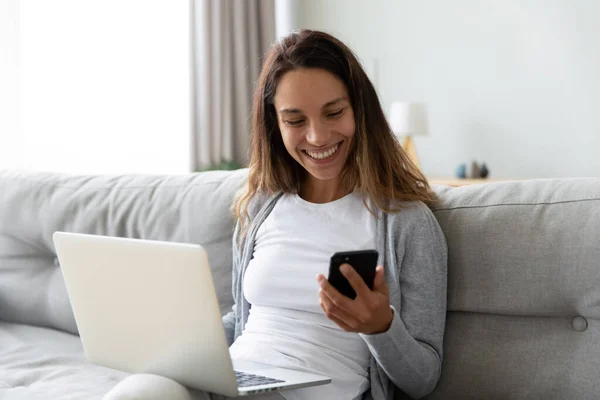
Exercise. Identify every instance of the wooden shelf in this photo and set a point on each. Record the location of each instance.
(456, 182)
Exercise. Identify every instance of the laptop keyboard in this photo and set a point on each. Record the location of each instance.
(245, 379)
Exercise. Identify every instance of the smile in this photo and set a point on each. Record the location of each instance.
(323, 155)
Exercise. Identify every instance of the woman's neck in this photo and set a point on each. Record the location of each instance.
(319, 191)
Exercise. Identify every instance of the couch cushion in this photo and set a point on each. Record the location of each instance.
(523, 290)
(190, 208)
(42, 363)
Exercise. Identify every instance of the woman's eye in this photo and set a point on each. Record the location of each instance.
(294, 122)
(336, 113)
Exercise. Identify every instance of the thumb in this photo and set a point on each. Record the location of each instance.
(379, 284)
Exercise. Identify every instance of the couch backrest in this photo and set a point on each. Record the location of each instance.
(523, 290)
(523, 274)
(190, 208)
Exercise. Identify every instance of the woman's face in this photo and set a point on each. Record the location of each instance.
(316, 120)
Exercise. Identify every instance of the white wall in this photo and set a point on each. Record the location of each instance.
(514, 83)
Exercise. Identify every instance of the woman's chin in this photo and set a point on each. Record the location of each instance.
(323, 175)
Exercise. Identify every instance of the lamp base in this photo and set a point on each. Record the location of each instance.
(411, 150)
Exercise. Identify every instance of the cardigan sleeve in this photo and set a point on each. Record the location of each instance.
(229, 319)
(410, 351)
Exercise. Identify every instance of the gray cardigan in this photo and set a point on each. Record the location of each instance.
(412, 249)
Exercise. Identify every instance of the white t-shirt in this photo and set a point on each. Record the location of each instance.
(286, 326)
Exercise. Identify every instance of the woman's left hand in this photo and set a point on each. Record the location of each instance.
(368, 313)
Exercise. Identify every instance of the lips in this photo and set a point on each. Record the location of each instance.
(323, 155)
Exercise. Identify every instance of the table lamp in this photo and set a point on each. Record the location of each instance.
(409, 119)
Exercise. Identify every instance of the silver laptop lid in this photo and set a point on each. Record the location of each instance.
(136, 304)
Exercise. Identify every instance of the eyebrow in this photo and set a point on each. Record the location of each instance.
(329, 103)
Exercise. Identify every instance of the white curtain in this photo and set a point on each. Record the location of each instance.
(229, 38)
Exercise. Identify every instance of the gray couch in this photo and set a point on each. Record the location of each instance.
(523, 295)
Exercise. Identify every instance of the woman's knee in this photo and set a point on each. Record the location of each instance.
(151, 387)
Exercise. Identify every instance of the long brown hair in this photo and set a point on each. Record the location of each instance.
(376, 165)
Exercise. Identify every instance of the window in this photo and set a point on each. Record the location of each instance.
(10, 130)
(105, 87)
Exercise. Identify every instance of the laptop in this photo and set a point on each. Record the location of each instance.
(146, 306)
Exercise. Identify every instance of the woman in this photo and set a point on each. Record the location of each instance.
(327, 175)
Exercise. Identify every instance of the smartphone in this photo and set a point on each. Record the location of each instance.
(363, 261)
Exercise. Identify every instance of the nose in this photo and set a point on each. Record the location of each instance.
(318, 134)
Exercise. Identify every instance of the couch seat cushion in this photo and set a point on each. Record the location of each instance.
(42, 363)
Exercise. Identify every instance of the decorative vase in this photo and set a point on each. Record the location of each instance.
(484, 172)
(475, 170)
(461, 171)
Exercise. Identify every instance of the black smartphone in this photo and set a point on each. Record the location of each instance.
(363, 261)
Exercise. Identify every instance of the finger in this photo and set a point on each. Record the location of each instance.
(337, 315)
(380, 285)
(332, 293)
(320, 277)
(342, 324)
(351, 312)
(356, 281)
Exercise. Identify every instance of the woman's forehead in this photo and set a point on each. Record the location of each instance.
(309, 88)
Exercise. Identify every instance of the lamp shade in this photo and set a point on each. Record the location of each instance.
(408, 118)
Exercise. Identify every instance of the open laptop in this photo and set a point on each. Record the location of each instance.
(150, 307)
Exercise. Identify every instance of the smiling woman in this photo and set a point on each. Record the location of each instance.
(328, 175)
(316, 132)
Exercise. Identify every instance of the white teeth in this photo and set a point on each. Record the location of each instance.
(323, 155)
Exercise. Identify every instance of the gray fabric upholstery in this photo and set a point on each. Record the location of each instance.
(44, 363)
(191, 209)
(523, 277)
(523, 281)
